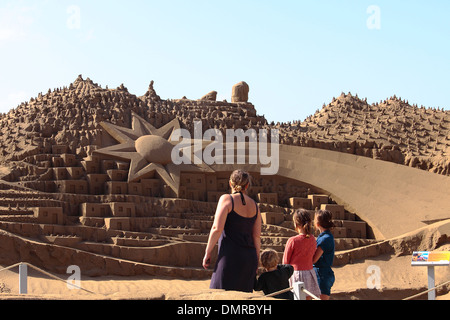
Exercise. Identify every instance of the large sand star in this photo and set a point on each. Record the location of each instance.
(148, 150)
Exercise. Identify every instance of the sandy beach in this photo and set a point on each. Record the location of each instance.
(399, 280)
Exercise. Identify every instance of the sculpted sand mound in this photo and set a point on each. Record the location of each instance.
(392, 130)
(63, 201)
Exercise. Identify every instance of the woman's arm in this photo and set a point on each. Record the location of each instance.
(257, 234)
(223, 208)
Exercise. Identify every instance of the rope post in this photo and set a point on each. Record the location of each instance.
(299, 293)
(23, 278)
(431, 283)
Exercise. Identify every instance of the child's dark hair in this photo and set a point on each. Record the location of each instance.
(325, 219)
(302, 218)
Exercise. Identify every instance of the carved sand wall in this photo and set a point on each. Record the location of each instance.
(87, 177)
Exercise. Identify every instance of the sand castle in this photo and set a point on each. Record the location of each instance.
(86, 179)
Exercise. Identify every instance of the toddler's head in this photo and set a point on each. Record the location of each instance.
(269, 259)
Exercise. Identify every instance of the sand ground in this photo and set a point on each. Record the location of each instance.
(398, 280)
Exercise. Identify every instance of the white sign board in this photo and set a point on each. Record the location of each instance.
(426, 258)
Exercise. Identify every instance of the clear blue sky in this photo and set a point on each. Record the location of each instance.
(295, 55)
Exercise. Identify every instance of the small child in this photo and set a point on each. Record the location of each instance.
(299, 253)
(324, 256)
(276, 277)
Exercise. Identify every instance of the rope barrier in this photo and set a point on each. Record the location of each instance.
(46, 273)
(310, 294)
(290, 289)
(278, 292)
(425, 292)
(10, 267)
(57, 278)
(266, 296)
(316, 298)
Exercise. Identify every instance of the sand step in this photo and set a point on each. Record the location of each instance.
(279, 243)
(174, 232)
(29, 203)
(203, 238)
(15, 212)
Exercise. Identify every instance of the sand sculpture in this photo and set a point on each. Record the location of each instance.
(212, 96)
(87, 180)
(240, 92)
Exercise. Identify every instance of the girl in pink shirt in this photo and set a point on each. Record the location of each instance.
(299, 253)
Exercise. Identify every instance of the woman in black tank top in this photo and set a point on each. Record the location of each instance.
(239, 238)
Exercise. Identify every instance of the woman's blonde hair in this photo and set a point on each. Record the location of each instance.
(239, 180)
(269, 258)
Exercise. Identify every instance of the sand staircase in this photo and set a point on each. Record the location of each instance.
(168, 235)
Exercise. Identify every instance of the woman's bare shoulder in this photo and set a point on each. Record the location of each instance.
(225, 201)
(225, 198)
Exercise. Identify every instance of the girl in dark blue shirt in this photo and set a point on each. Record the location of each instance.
(324, 256)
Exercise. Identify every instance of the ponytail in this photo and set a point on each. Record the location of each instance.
(325, 219)
(303, 218)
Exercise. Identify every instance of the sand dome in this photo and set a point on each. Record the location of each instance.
(154, 149)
